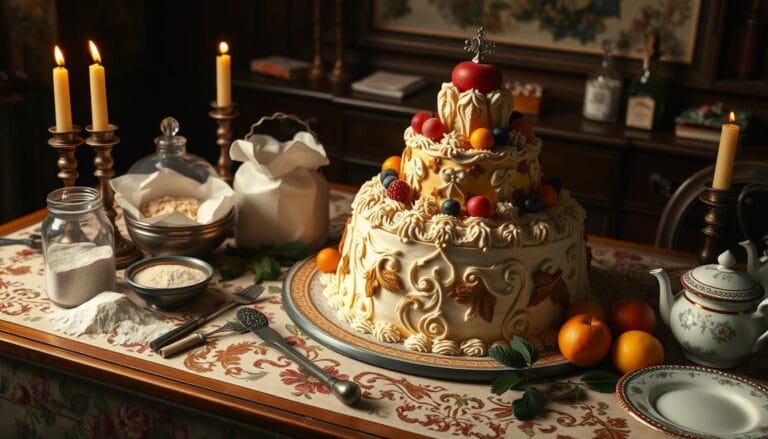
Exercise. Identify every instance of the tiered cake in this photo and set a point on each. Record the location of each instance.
(467, 244)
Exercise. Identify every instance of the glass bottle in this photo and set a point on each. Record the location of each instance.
(78, 246)
(171, 152)
(602, 91)
(646, 94)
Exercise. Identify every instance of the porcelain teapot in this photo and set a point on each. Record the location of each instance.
(757, 266)
(720, 314)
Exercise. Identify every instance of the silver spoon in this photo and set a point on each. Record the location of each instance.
(346, 391)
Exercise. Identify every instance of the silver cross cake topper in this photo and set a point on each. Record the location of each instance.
(479, 45)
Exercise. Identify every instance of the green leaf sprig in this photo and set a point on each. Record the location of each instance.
(521, 355)
(264, 262)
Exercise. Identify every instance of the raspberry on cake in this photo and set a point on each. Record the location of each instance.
(466, 246)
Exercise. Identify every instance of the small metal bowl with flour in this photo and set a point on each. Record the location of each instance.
(169, 283)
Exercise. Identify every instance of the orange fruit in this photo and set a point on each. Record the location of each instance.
(632, 314)
(524, 127)
(548, 194)
(584, 340)
(392, 162)
(327, 260)
(481, 138)
(636, 349)
(590, 308)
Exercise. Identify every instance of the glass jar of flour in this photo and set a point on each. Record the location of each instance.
(78, 247)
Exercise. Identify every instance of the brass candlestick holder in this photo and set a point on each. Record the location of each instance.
(223, 115)
(66, 143)
(717, 235)
(102, 143)
(317, 60)
(339, 74)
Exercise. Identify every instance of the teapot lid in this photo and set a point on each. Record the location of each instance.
(722, 282)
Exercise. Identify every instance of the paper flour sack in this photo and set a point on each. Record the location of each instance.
(279, 193)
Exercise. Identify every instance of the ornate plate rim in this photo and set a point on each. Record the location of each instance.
(623, 384)
(470, 369)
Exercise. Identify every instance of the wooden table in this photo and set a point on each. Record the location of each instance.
(241, 395)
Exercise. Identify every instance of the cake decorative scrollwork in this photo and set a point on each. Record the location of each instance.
(446, 104)
(479, 233)
(443, 230)
(501, 106)
(503, 181)
(453, 178)
(415, 174)
(471, 112)
(534, 172)
(517, 322)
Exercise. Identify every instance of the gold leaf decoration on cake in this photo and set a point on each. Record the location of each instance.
(372, 285)
(344, 265)
(376, 279)
(480, 301)
(475, 170)
(390, 281)
(435, 164)
(549, 285)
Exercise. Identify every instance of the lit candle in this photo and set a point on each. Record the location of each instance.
(99, 117)
(726, 152)
(223, 76)
(61, 93)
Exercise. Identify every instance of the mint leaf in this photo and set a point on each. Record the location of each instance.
(291, 252)
(530, 405)
(266, 268)
(514, 380)
(600, 381)
(231, 272)
(507, 356)
(528, 351)
(572, 393)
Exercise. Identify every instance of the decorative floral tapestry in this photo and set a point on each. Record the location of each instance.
(570, 25)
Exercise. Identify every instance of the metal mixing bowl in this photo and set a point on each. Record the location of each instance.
(168, 299)
(198, 240)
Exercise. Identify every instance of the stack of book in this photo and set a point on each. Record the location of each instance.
(705, 122)
(391, 85)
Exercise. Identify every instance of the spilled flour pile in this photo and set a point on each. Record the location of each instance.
(110, 312)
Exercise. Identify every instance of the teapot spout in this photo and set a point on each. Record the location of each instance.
(753, 261)
(665, 294)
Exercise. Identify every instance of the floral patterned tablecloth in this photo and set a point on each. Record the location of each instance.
(37, 402)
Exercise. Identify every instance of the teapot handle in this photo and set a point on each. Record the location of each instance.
(761, 313)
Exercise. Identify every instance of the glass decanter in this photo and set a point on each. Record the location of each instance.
(171, 152)
(602, 92)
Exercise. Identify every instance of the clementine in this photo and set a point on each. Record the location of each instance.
(636, 349)
(632, 314)
(327, 260)
(589, 307)
(584, 340)
(392, 162)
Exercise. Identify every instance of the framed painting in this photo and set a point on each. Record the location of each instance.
(577, 26)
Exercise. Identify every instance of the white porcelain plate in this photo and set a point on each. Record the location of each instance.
(696, 402)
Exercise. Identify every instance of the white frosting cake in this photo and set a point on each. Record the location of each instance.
(456, 284)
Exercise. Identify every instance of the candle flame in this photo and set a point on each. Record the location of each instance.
(59, 56)
(731, 117)
(223, 47)
(94, 52)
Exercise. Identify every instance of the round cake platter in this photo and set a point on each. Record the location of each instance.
(305, 304)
